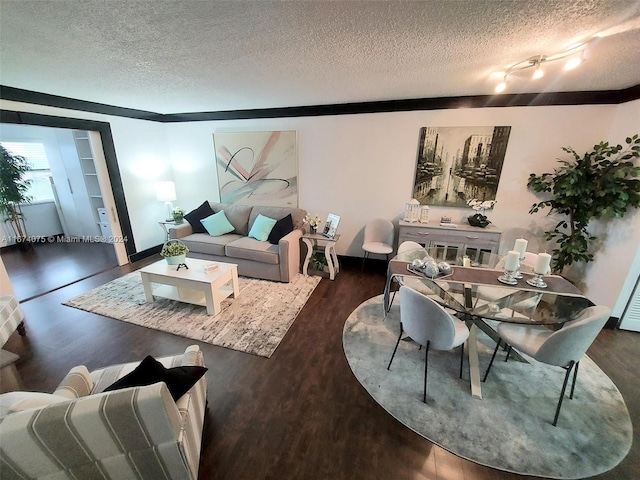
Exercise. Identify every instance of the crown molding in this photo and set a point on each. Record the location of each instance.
(602, 97)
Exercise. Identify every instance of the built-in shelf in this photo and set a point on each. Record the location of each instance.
(87, 165)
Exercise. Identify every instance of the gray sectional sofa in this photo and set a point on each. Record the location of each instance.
(254, 258)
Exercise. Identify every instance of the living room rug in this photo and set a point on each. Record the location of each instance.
(255, 322)
(510, 427)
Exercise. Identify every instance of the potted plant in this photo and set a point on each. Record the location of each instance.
(601, 183)
(13, 191)
(313, 223)
(318, 262)
(174, 252)
(480, 219)
(177, 214)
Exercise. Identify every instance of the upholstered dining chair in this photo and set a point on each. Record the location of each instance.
(431, 326)
(563, 348)
(378, 238)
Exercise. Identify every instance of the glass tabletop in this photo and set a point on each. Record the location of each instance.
(475, 290)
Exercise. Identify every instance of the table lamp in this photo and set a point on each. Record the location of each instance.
(166, 192)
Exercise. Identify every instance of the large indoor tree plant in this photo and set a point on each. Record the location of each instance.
(603, 183)
(13, 191)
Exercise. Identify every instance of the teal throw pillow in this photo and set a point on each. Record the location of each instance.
(217, 224)
(262, 227)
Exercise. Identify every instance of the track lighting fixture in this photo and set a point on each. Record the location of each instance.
(575, 56)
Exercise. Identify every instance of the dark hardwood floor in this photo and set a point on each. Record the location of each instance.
(50, 265)
(300, 414)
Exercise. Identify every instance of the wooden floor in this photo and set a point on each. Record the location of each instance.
(300, 414)
(50, 265)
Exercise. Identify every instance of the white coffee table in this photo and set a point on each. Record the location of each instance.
(193, 285)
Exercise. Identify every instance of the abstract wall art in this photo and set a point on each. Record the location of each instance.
(457, 164)
(257, 168)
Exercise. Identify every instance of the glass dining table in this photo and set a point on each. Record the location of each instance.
(476, 296)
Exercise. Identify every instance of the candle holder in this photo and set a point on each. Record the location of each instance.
(537, 281)
(518, 275)
(509, 277)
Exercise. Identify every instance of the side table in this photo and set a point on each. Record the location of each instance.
(314, 242)
(164, 224)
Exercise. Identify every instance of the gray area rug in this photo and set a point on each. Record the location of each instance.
(510, 427)
(255, 322)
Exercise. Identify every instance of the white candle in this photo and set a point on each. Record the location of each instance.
(512, 261)
(521, 246)
(542, 264)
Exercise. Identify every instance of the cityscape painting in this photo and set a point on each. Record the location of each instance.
(457, 164)
(257, 168)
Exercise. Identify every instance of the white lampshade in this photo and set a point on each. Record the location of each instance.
(165, 191)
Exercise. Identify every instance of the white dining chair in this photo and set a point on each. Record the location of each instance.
(378, 238)
(563, 348)
(429, 325)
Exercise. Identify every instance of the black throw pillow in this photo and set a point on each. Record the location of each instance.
(178, 379)
(283, 227)
(194, 217)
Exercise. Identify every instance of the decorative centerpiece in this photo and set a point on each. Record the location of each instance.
(174, 252)
(313, 223)
(177, 214)
(480, 219)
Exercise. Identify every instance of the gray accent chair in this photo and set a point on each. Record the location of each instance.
(429, 325)
(562, 348)
(378, 238)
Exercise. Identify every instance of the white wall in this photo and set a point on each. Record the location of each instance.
(143, 159)
(362, 167)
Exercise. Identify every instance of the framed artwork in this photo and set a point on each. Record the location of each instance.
(457, 164)
(331, 225)
(257, 168)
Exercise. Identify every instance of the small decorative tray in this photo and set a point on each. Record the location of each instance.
(420, 272)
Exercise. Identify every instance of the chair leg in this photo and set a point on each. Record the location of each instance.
(493, 357)
(506, 359)
(575, 376)
(363, 260)
(426, 366)
(461, 358)
(564, 388)
(396, 348)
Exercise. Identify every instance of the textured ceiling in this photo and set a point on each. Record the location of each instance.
(190, 56)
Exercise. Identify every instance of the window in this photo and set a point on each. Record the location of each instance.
(40, 172)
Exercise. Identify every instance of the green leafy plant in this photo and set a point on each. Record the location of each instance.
(173, 248)
(13, 190)
(318, 261)
(603, 183)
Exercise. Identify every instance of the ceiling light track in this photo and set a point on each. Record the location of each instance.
(574, 54)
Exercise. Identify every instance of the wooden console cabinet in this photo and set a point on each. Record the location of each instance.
(455, 241)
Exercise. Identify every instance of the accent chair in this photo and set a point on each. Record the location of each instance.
(378, 238)
(563, 348)
(429, 325)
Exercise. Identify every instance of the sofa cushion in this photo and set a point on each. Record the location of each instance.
(238, 215)
(194, 217)
(178, 379)
(262, 227)
(217, 224)
(205, 243)
(297, 214)
(283, 227)
(249, 248)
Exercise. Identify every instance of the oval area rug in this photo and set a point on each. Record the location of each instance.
(510, 427)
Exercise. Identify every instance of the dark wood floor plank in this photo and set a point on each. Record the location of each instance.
(300, 414)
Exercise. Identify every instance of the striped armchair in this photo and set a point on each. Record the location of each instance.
(83, 432)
